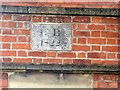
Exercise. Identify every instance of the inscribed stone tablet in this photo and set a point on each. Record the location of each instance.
(51, 36)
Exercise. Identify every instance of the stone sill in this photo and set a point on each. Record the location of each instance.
(66, 68)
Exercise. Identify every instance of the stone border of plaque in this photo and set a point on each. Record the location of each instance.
(51, 36)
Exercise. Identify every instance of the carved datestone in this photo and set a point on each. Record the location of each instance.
(51, 36)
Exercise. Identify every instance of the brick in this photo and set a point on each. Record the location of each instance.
(110, 20)
(6, 17)
(0, 31)
(21, 46)
(29, 39)
(117, 27)
(118, 56)
(81, 61)
(81, 19)
(22, 53)
(37, 61)
(107, 84)
(109, 34)
(82, 40)
(110, 62)
(95, 33)
(110, 27)
(22, 60)
(97, 62)
(3, 83)
(97, 77)
(111, 41)
(96, 41)
(9, 24)
(52, 61)
(6, 31)
(80, 48)
(6, 46)
(57, 19)
(110, 48)
(118, 41)
(26, 25)
(37, 19)
(37, 54)
(74, 40)
(74, 26)
(21, 18)
(96, 19)
(21, 39)
(67, 61)
(111, 55)
(8, 53)
(22, 32)
(20, 25)
(8, 38)
(95, 84)
(95, 48)
(81, 33)
(67, 55)
(51, 54)
(96, 27)
(96, 55)
(7, 60)
(81, 26)
(110, 77)
(81, 55)
(3, 75)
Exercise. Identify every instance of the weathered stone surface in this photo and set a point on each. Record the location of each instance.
(44, 10)
(60, 10)
(62, 68)
(50, 80)
(51, 36)
(15, 9)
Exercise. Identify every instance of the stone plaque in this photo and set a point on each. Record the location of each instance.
(51, 36)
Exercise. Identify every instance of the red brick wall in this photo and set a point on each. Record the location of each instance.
(95, 40)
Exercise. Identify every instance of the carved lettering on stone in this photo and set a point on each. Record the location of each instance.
(51, 36)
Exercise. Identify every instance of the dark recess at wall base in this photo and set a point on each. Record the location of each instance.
(61, 68)
(60, 11)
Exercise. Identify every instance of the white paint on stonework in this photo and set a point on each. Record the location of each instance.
(48, 80)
